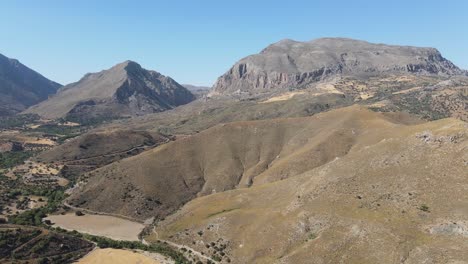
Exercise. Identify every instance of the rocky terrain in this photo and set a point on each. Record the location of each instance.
(21, 87)
(290, 64)
(123, 90)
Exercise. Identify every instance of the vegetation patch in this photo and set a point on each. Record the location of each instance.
(17, 121)
(13, 158)
(424, 208)
(222, 212)
(104, 242)
(34, 245)
(34, 217)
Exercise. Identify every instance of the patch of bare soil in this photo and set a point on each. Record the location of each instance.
(99, 225)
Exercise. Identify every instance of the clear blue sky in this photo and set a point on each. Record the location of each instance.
(196, 41)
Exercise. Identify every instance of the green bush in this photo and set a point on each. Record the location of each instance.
(13, 158)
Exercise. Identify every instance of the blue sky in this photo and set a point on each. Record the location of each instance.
(196, 41)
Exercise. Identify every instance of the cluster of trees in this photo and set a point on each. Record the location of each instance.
(62, 132)
(34, 216)
(17, 121)
(104, 242)
(12, 238)
(13, 158)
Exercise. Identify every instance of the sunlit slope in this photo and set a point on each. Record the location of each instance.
(400, 198)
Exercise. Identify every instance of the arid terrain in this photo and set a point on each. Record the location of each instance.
(99, 225)
(326, 151)
(402, 189)
(116, 256)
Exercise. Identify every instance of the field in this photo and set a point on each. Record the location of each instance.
(116, 256)
(99, 225)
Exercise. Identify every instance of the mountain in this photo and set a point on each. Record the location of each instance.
(290, 64)
(195, 88)
(21, 87)
(198, 91)
(123, 90)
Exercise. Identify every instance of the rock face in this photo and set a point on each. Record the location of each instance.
(290, 64)
(21, 87)
(123, 90)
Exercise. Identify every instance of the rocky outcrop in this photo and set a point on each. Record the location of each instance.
(21, 87)
(291, 64)
(125, 89)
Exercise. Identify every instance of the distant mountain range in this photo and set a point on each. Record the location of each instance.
(21, 87)
(127, 89)
(290, 64)
(123, 90)
(195, 88)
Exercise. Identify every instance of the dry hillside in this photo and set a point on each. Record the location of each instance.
(397, 196)
(98, 148)
(229, 156)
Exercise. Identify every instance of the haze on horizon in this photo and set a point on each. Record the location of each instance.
(195, 42)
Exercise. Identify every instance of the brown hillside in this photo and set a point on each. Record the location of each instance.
(398, 196)
(98, 148)
(229, 156)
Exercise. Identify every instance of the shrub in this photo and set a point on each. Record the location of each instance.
(79, 213)
(424, 208)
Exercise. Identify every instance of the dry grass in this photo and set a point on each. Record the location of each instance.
(282, 97)
(115, 256)
(408, 90)
(350, 208)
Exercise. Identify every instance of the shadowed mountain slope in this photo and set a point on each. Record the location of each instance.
(21, 87)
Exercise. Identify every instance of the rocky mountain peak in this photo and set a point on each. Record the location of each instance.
(124, 89)
(293, 64)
